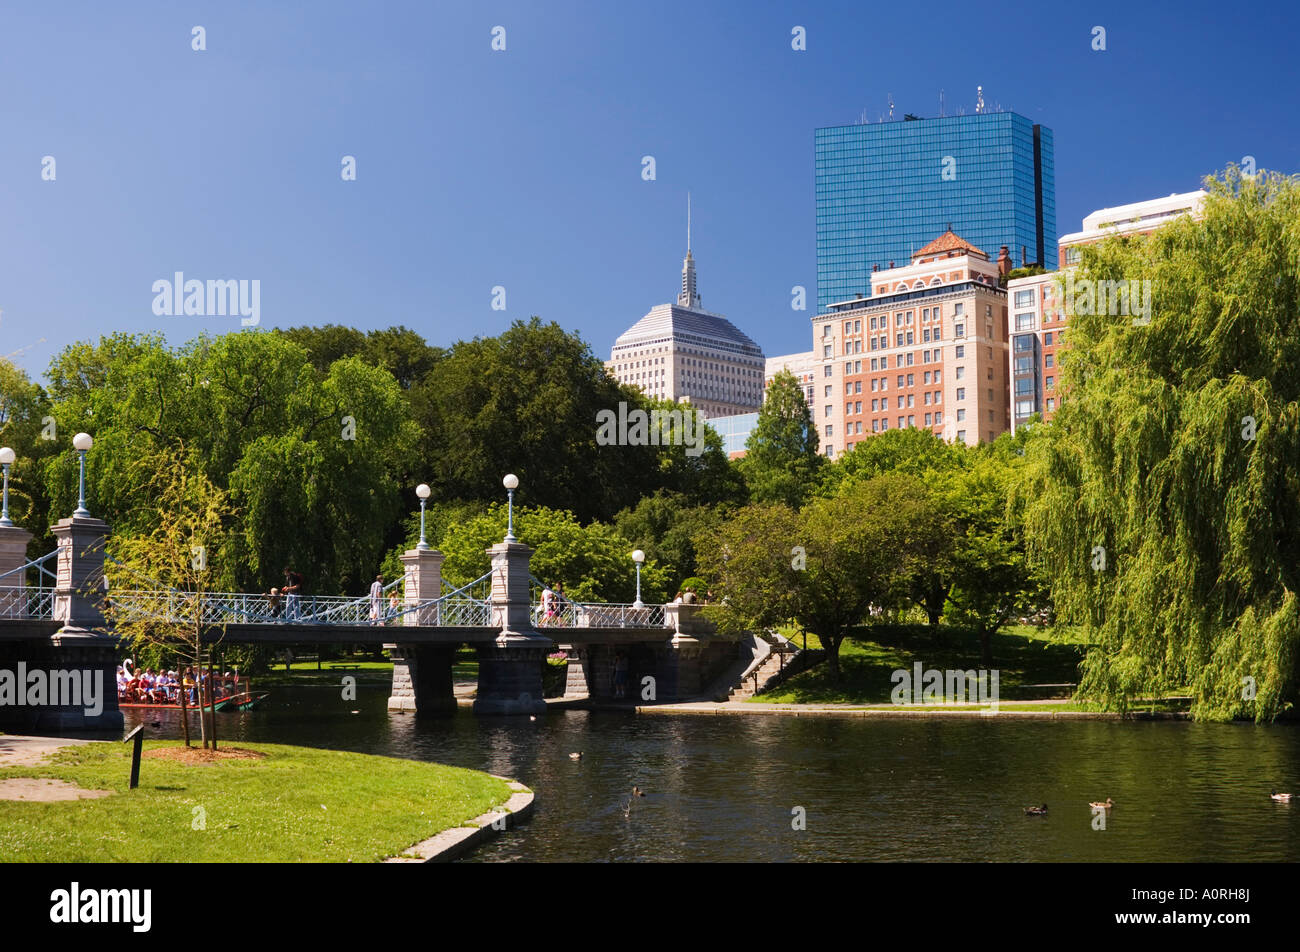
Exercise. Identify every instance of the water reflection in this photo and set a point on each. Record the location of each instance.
(724, 788)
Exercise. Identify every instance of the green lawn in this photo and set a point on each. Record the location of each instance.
(1022, 655)
(296, 805)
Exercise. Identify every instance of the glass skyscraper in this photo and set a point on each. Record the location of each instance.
(886, 189)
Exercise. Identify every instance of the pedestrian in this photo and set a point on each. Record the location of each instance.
(292, 592)
(620, 674)
(559, 603)
(377, 600)
(548, 605)
(394, 605)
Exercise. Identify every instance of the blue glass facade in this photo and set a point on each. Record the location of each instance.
(886, 189)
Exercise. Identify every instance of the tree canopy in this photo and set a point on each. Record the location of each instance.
(1165, 499)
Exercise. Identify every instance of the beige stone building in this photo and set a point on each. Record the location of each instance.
(927, 349)
(684, 353)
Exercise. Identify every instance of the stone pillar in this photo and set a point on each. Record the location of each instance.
(78, 590)
(680, 662)
(422, 681)
(78, 671)
(422, 582)
(78, 663)
(510, 668)
(421, 673)
(575, 678)
(13, 553)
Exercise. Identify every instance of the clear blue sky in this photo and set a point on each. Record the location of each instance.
(523, 168)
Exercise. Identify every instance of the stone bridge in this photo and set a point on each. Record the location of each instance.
(59, 624)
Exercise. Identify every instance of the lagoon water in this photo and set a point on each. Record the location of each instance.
(727, 788)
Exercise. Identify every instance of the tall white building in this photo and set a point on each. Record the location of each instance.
(684, 353)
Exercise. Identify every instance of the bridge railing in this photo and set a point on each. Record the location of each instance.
(242, 608)
(35, 603)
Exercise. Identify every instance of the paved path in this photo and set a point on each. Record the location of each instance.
(19, 750)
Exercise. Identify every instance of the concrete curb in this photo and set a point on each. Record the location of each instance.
(450, 844)
(1004, 713)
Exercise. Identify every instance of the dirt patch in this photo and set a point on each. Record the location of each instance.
(34, 790)
(203, 755)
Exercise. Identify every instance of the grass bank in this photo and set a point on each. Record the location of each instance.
(292, 804)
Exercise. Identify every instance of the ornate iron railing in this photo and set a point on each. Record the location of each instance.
(23, 602)
(560, 612)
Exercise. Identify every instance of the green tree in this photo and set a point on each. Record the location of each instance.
(594, 562)
(176, 543)
(665, 525)
(1165, 500)
(781, 456)
(526, 403)
(825, 567)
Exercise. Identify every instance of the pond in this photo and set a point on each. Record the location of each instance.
(736, 788)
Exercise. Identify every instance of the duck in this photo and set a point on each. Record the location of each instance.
(627, 808)
(637, 792)
(1281, 797)
(1036, 811)
(576, 755)
(1103, 806)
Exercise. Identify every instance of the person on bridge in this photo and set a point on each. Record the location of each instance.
(292, 591)
(394, 606)
(377, 600)
(548, 606)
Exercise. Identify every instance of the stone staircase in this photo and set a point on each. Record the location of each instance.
(768, 667)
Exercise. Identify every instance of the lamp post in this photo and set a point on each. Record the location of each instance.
(6, 460)
(511, 482)
(638, 557)
(423, 492)
(82, 443)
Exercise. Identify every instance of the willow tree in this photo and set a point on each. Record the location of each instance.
(1165, 501)
(174, 551)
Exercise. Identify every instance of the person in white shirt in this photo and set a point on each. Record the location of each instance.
(377, 600)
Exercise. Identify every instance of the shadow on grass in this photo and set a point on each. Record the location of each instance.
(1029, 665)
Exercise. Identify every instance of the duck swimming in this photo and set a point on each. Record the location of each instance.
(1036, 811)
(1280, 797)
(1103, 806)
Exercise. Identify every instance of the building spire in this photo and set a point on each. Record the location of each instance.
(688, 297)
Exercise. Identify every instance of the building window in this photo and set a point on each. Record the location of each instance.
(1050, 383)
(875, 406)
(829, 429)
(1071, 255)
(961, 393)
(884, 403)
(927, 417)
(938, 418)
(961, 372)
(828, 410)
(1047, 339)
(1024, 299)
(961, 436)
(826, 330)
(1025, 322)
(829, 370)
(960, 330)
(1051, 404)
(1047, 360)
(961, 415)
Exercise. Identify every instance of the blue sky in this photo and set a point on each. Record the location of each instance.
(522, 168)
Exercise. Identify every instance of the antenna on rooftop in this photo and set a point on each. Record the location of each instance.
(891, 107)
(941, 104)
(979, 99)
(688, 221)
